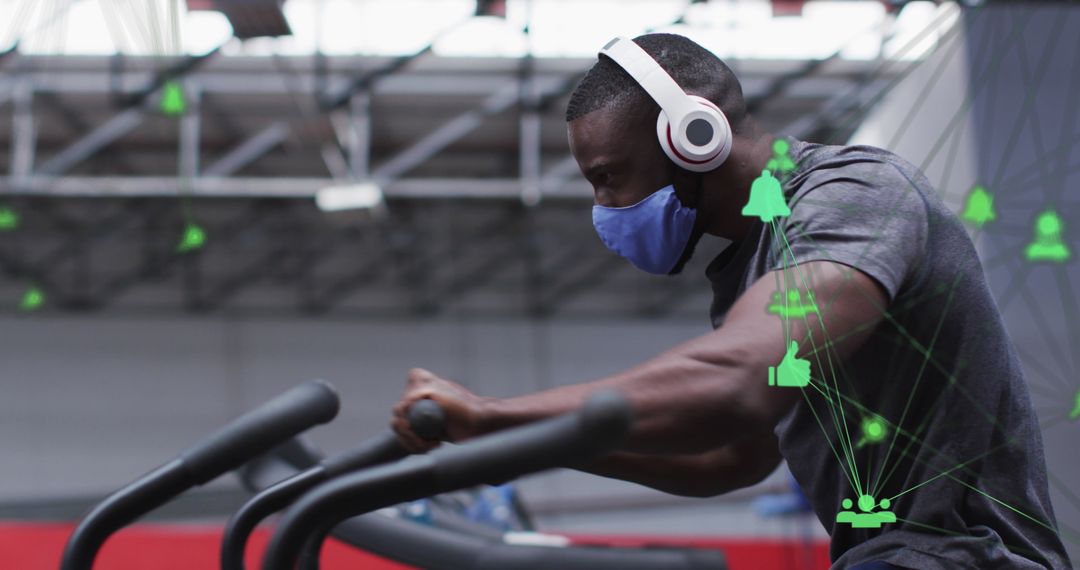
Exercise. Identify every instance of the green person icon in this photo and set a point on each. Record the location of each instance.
(979, 207)
(792, 372)
(9, 219)
(766, 199)
(32, 299)
(1048, 245)
(194, 238)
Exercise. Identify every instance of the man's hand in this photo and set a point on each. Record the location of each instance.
(462, 408)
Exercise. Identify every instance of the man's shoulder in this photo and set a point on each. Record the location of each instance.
(856, 176)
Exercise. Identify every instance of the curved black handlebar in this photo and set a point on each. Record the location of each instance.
(426, 418)
(252, 434)
(598, 427)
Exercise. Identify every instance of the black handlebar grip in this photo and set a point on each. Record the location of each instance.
(427, 419)
(598, 427)
(309, 404)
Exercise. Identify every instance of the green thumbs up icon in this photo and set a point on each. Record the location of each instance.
(791, 372)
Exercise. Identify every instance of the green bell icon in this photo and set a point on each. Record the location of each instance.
(1048, 245)
(979, 208)
(766, 199)
(172, 99)
(194, 238)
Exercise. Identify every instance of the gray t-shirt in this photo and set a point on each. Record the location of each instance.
(959, 490)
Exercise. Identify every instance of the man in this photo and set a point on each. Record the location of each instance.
(855, 335)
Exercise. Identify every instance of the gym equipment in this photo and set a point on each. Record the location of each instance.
(559, 441)
(426, 419)
(455, 543)
(252, 434)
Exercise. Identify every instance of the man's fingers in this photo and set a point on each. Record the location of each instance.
(409, 439)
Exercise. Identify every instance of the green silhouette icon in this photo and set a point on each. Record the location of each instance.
(172, 99)
(979, 208)
(792, 372)
(194, 238)
(766, 199)
(874, 430)
(866, 519)
(793, 307)
(9, 219)
(1048, 245)
(32, 299)
(781, 161)
(1075, 413)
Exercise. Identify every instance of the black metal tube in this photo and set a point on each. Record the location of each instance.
(119, 510)
(252, 434)
(427, 420)
(600, 426)
(267, 502)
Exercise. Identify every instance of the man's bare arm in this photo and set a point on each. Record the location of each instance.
(733, 466)
(705, 393)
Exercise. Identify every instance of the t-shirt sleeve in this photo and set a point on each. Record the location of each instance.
(866, 215)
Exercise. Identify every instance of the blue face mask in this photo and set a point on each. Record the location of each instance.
(651, 234)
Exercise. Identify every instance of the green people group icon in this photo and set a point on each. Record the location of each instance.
(792, 372)
(867, 518)
(781, 161)
(1048, 244)
(979, 207)
(1075, 413)
(790, 304)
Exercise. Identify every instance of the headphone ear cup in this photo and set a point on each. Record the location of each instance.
(721, 139)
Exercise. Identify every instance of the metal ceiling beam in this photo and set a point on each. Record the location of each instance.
(250, 150)
(446, 135)
(277, 187)
(97, 139)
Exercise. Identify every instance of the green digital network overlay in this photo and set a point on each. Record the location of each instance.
(799, 302)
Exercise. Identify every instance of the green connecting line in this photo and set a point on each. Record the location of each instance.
(851, 474)
(917, 381)
(950, 470)
(840, 422)
(962, 466)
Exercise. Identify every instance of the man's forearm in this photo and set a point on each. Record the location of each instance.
(681, 404)
(708, 474)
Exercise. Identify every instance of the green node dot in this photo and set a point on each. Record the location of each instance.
(885, 503)
(866, 503)
(846, 503)
(780, 146)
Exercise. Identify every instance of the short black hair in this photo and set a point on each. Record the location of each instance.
(696, 69)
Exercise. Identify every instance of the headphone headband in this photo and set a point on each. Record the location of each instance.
(647, 72)
(692, 131)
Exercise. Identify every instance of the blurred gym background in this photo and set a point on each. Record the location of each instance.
(205, 202)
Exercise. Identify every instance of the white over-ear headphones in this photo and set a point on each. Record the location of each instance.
(693, 132)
